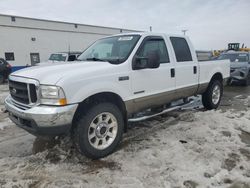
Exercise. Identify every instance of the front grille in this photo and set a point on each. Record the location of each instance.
(23, 92)
(33, 97)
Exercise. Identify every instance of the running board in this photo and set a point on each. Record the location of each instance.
(160, 113)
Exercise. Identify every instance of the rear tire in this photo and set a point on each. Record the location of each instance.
(212, 97)
(99, 131)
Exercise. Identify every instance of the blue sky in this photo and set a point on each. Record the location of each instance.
(211, 24)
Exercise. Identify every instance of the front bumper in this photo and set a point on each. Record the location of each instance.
(42, 120)
(238, 74)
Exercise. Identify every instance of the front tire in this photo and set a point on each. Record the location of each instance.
(247, 81)
(212, 97)
(99, 131)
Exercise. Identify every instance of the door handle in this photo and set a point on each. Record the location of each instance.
(172, 73)
(195, 69)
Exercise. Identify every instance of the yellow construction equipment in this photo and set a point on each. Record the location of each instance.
(232, 46)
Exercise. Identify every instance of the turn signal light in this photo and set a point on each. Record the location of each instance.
(62, 101)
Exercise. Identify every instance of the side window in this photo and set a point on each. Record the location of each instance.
(181, 49)
(72, 58)
(9, 56)
(155, 45)
(124, 50)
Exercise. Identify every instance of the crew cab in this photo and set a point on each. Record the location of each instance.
(113, 80)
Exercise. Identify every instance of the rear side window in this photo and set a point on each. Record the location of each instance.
(155, 45)
(181, 49)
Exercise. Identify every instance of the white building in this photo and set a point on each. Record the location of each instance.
(25, 40)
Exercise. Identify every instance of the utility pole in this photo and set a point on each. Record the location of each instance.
(69, 48)
(184, 31)
(150, 28)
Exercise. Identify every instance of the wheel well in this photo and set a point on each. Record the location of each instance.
(217, 76)
(100, 98)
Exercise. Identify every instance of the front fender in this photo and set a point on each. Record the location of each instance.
(77, 93)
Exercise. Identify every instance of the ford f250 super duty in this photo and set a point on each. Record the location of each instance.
(115, 78)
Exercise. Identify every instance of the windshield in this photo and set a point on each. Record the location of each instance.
(113, 49)
(234, 57)
(58, 57)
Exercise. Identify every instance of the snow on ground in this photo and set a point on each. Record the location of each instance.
(4, 124)
(4, 121)
(191, 148)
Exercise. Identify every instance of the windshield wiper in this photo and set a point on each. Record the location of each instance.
(112, 61)
(95, 59)
(115, 61)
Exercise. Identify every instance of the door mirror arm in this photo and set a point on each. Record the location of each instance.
(140, 63)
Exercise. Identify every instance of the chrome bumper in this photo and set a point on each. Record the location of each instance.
(42, 119)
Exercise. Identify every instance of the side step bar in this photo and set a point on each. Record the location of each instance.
(160, 113)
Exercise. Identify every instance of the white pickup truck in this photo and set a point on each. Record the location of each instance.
(115, 78)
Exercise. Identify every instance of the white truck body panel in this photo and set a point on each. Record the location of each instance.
(208, 68)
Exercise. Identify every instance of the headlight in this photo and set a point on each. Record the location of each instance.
(52, 95)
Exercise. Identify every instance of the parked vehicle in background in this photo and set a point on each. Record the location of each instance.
(5, 70)
(240, 66)
(231, 47)
(61, 57)
(114, 79)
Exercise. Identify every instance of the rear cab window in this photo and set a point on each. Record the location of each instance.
(181, 49)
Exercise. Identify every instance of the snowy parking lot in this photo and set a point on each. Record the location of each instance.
(188, 148)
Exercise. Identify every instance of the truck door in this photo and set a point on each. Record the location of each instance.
(153, 86)
(186, 68)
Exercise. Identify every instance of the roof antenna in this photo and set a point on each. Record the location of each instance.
(184, 31)
(69, 48)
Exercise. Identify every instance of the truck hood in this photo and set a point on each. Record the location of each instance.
(45, 63)
(52, 73)
(237, 65)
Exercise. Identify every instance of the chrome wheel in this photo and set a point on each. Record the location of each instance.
(102, 130)
(216, 94)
